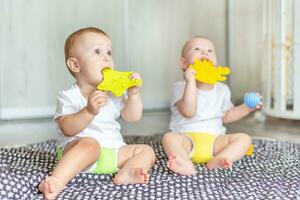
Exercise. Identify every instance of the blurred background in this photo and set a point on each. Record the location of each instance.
(257, 39)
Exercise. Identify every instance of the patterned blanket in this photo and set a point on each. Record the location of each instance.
(273, 172)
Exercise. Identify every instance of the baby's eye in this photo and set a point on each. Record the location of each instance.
(109, 53)
(209, 50)
(97, 51)
(196, 49)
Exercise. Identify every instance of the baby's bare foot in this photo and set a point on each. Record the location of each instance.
(181, 165)
(131, 176)
(219, 163)
(51, 187)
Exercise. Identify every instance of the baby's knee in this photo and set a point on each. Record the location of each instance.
(245, 137)
(148, 151)
(168, 136)
(89, 146)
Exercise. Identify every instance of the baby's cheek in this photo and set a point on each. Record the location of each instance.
(100, 78)
(214, 60)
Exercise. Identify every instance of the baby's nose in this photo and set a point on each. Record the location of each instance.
(205, 53)
(107, 58)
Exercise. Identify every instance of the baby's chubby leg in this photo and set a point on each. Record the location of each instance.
(177, 147)
(134, 162)
(229, 148)
(78, 155)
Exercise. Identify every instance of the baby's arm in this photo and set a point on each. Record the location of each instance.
(188, 103)
(74, 123)
(236, 113)
(133, 108)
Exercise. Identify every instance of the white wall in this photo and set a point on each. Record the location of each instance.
(32, 38)
(158, 30)
(245, 46)
(32, 35)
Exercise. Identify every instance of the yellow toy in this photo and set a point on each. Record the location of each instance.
(250, 150)
(208, 73)
(117, 82)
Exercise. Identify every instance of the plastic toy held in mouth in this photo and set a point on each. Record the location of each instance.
(117, 82)
(208, 73)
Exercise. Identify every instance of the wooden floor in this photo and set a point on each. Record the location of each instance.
(272, 128)
(31, 131)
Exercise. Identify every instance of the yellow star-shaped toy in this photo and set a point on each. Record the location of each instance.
(208, 73)
(117, 82)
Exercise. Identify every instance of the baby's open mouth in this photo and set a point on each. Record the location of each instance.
(106, 67)
(204, 58)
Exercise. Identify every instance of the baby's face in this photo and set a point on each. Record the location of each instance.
(93, 53)
(199, 48)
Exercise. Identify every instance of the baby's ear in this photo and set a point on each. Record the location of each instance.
(183, 63)
(73, 65)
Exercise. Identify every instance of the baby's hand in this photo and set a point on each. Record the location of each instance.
(96, 100)
(135, 89)
(189, 75)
